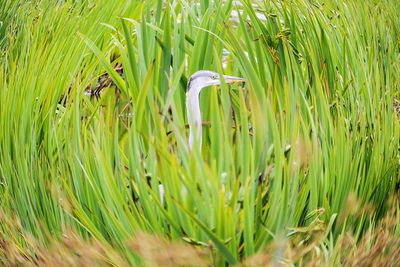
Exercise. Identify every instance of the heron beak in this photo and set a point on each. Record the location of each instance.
(233, 79)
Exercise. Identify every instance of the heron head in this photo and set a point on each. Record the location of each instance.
(205, 78)
(197, 81)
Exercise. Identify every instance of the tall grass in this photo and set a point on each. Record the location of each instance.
(283, 155)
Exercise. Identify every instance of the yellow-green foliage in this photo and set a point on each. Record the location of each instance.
(303, 154)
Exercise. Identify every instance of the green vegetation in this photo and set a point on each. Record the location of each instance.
(301, 164)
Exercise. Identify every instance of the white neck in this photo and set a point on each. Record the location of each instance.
(194, 115)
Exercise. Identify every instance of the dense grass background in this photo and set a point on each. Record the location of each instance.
(302, 156)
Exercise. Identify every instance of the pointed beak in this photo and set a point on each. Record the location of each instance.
(233, 79)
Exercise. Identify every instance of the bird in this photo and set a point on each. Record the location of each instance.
(197, 82)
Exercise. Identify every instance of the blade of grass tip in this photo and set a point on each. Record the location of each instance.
(167, 48)
(169, 102)
(131, 53)
(140, 104)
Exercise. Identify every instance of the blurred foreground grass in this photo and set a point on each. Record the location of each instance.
(299, 165)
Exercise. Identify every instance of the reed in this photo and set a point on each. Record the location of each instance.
(303, 155)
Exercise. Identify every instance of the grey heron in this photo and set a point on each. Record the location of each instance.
(197, 82)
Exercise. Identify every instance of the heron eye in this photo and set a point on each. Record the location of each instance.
(215, 77)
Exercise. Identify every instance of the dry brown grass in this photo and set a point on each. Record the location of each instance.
(19, 248)
(157, 251)
(380, 246)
